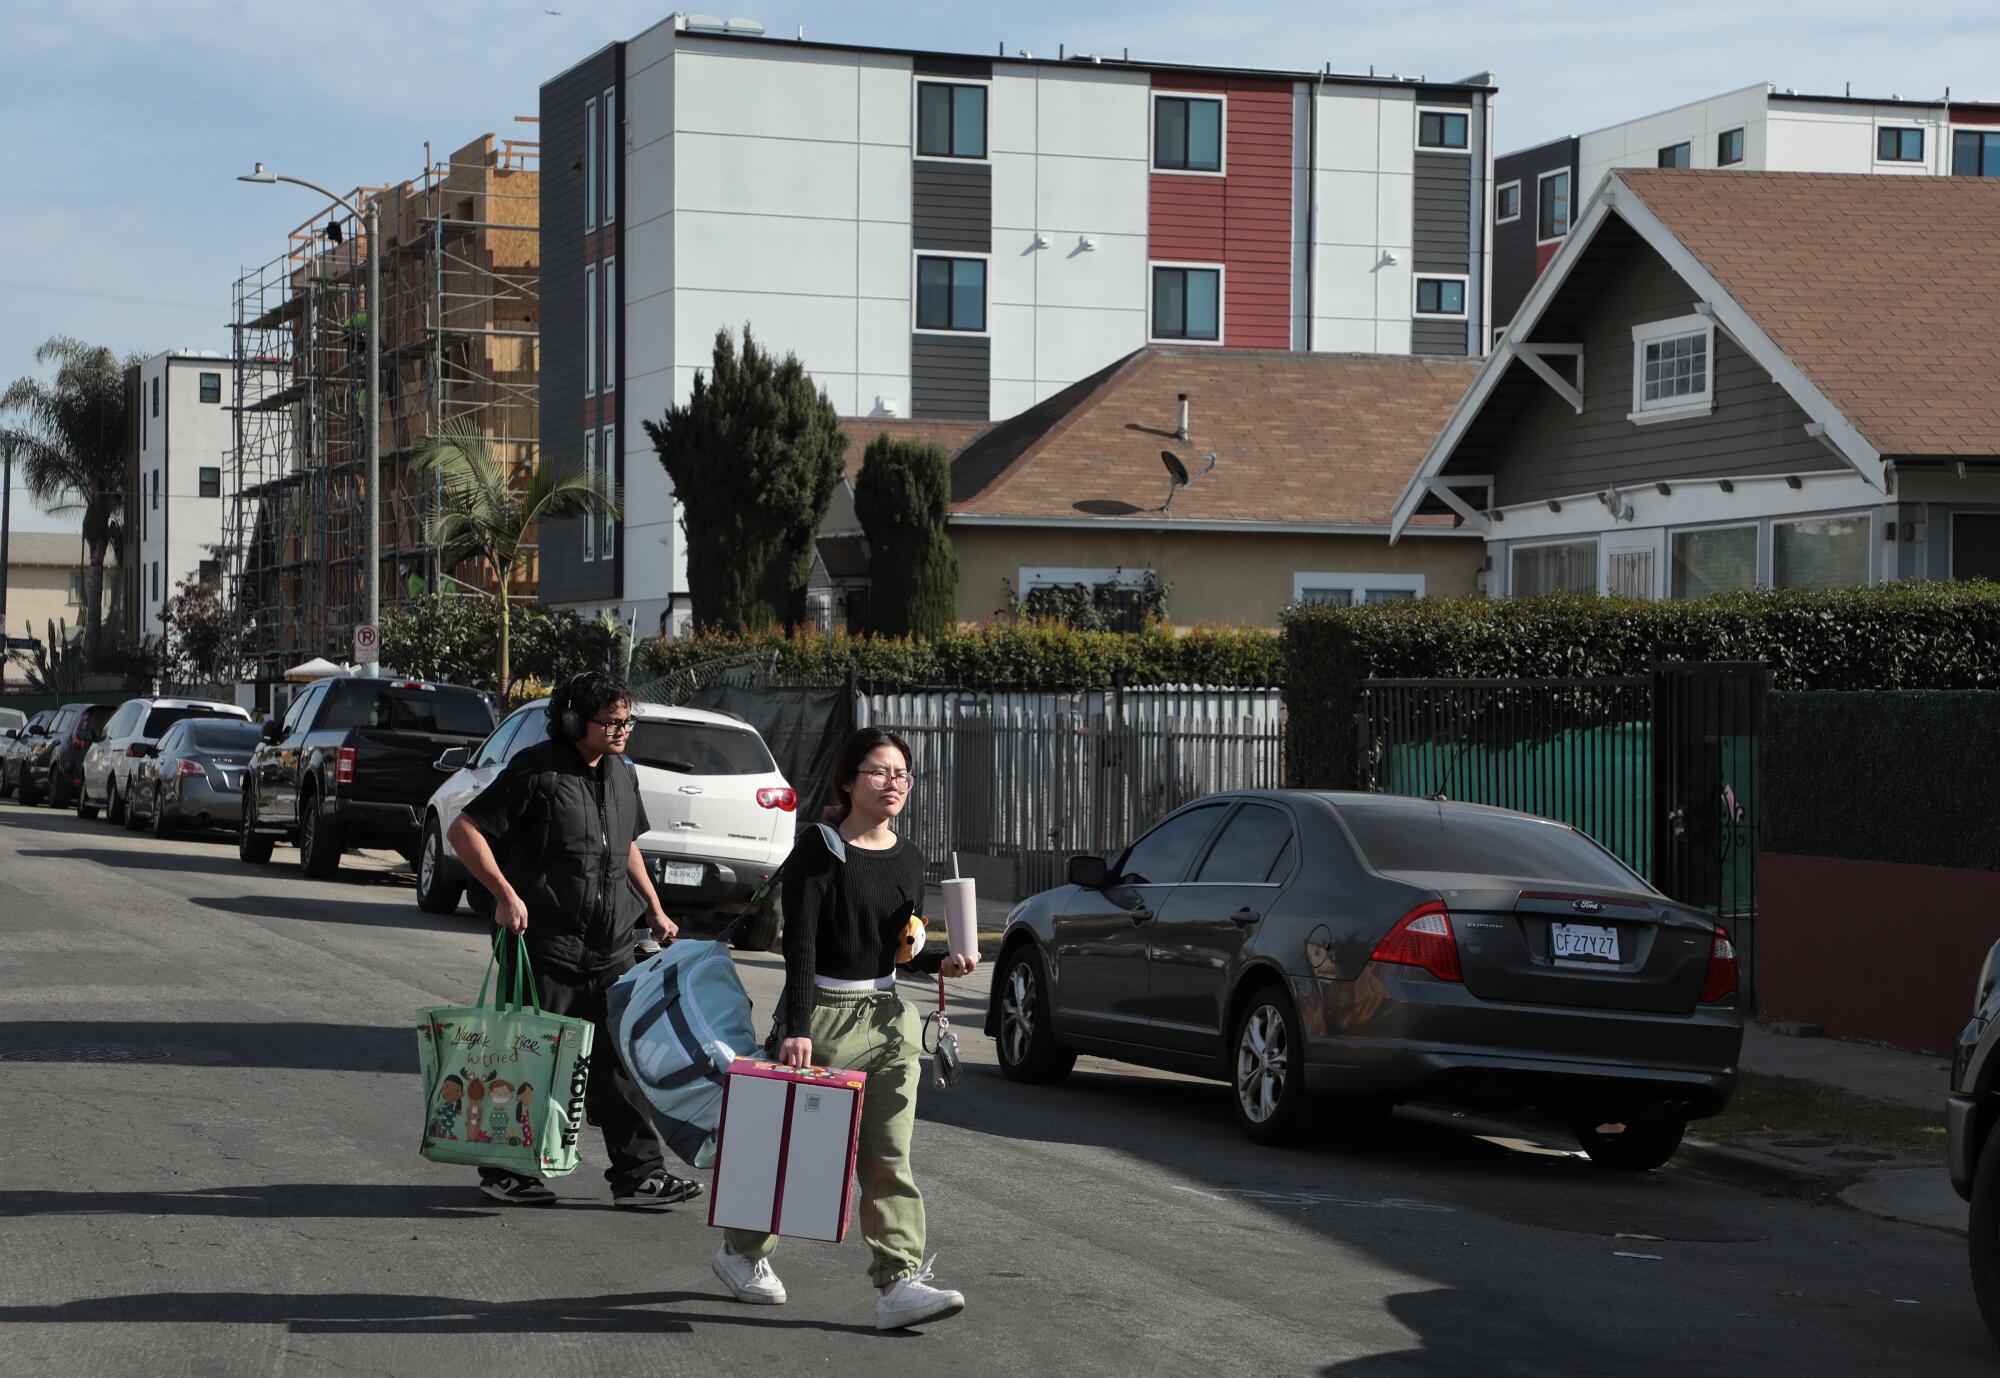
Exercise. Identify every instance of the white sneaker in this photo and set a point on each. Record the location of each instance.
(912, 1301)
(746, 1280)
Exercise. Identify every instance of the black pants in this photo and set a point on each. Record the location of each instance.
(609, 1095)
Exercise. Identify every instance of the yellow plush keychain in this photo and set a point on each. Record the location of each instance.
(914, 936)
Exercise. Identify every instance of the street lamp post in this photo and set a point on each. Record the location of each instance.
(372, 306)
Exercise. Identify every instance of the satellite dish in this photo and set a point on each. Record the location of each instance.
(1175, 467)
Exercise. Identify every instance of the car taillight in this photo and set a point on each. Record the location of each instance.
(786, 799)
(1720, 983)
(78, 742)
(191, 768)
(1422, 938)
(343, 766)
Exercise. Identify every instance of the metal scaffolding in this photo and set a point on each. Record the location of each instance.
(461, 313)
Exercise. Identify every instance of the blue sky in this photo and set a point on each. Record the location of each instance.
(124, 122)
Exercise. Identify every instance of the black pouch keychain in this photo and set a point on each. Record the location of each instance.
(941, 1046)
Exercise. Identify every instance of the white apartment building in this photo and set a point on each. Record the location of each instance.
(179, 482)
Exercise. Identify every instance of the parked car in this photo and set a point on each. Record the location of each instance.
(193, 778)
(14, 718)
(1972, 1149)
(1320, 950)
(17, 743)
(351, 764)
(134, 729)
(53, 767)
(721, 813)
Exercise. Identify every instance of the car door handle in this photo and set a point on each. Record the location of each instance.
(1244, 917)
(1141, 915)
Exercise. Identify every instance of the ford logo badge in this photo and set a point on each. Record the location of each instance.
(1586, 906)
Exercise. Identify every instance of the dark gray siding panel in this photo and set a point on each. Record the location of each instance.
(1551, 452)
(951, 377)
(1442, 213)
(951, 206)
(564, 575)
(1446, 95)
(1514, 243)
(934, 65)
(1437, 337)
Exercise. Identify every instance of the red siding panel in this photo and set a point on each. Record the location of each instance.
(1242, 220)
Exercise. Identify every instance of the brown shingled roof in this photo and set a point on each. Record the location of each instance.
(952, 436)
(1881, 289)
(1313, 439)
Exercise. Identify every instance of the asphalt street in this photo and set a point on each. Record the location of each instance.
(212, 1122)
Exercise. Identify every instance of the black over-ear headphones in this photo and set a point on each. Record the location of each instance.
(564, 721)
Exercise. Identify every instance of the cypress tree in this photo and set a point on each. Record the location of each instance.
(903, 498)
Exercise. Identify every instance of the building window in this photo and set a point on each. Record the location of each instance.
(1899, 145)
(1975, 154)
(1551, 206)
(153, 483)
(1441, 129)
(211, 482)
(1187, 304)
(612, 143)
(1352, 590)
(1187, 134)
(590, 331)
(1671, 373)
(1728, 147)
(589, 481)
(1629, 574)
(76, 588)
(1677, 155)
(211, 387)
(607, 524)
(1440, 296)
(1723, 560)
(1119, 595)
(209, 573)
(1567, 567)
(951, 293)
(590, 180)
(156, 581)
(1820, 553)
(1507, 203)
(1975, 545)
(156, 397)
(951, 120)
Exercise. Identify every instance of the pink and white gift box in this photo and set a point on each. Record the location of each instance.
(784, 1158)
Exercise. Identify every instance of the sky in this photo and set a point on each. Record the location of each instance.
(123, 123)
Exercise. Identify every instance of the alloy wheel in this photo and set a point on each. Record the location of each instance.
(1261, 1060)
(1017, 1013)
(427, 864)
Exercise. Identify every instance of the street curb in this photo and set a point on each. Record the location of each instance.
(1747, 1167)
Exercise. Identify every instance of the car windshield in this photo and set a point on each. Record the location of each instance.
(160, 719)
(699, 748)
(1431, 838)
(224, 734)
(399, 708)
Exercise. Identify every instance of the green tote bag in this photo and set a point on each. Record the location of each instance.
(503, 1083)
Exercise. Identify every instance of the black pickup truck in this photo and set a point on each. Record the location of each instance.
(352, 764)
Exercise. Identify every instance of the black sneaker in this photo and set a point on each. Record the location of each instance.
(657, 1192)
(516, 1190)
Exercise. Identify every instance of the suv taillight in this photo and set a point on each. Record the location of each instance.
(1720, 983)
(786, 799)
(343, 766)
(1422, 938)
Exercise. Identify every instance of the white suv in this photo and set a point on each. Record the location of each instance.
(134, 732)
(722, 814)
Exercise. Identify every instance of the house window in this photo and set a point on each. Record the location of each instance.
(1820, 552)
(951, 120)
(1118, 595)
(153, 484)
(156, 397)
(590, 331)
(1671, 373)
(76, 587)
(1187, 303)
(156, 581)
(1352, 590)
(1974, 153)
(590, 180)
(951, 293)
(608, 346)
(1444, 129)
(1187, 134)
(1677, 155)
(1507, 203)
(612, 143)
(607, 525)
(1566, 567)
(1440, 296)
(1552, 206)
(211, 387)
(1722, 560)
(211, 482)
(1629, 574)
(1899, 145)
(1975, 545)
(1728, 147)
(209, 572)
(590, 481)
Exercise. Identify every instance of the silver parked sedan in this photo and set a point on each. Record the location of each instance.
(193, 778)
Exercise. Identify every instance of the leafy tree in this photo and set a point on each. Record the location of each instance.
(754, 458)
(69, 438)
(903, 498)
(198, 634)
(456, 638)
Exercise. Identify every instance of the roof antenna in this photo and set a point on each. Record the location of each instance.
(1850, 88)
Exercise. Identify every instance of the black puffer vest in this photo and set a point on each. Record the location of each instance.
(566, 857)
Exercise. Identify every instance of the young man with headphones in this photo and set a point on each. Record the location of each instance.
(554, 839)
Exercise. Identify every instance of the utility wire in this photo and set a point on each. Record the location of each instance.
(104, 296)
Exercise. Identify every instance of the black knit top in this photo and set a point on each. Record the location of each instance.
(844, 920)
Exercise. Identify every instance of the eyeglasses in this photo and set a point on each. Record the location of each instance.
(881, 778)
(617, 727)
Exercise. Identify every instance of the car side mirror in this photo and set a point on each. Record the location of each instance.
(453, 759)
(1088, 872)
(273, 730)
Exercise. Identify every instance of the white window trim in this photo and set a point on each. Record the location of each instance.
(986, 258)
(918, 79)
(1522, 547)
(1417, 129)
(606, 456)
(590, 480)
(1465, 296)
(1688, 144)
(1221, 304)
(1922, 160)
(1153, 134)
(1356, 585)
(1680, 408)
(1722, 134)
(607, 381)
(1570, 216)
(612, 145)
(1767, 572)
(1062, 576)
(1501, 190)
(1760, 561)
(590, 164)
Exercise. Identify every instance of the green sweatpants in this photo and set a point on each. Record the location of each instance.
(876, 1033)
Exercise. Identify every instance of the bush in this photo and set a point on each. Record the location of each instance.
(902, 498)
(1936, 635)
(1910, 776)
(457, 640)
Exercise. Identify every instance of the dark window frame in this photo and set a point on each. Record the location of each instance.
(211, 387)
(1441, 122)
(208, 488)
(955, 262)
(1545, 204)
(1440, 283)
(1680, 155)
(951, 120)
(1153, 300)
(1892, 143)
(1983, 144)
(1187, 163)
(1505, 217)
(1722, 147)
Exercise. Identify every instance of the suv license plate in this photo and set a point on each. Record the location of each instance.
(1583, 942)
(680, 873)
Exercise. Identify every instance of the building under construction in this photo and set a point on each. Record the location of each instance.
(461, 287)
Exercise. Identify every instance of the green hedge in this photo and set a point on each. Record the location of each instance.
(1911, 776)
(1030, 655)
(1900, 636)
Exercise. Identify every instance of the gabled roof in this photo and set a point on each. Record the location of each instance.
(949, 436)
(1303, 440)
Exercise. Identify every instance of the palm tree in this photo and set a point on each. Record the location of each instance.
(70, 442)
(482, 513)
